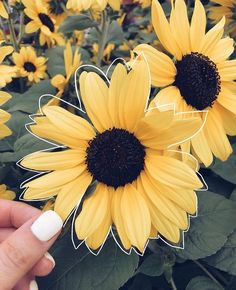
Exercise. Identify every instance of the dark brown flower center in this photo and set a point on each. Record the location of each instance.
(198, 80)
(29, 67)
(115, 157)
(55, 6)
(47, 21)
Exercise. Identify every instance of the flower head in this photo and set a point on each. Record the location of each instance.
(72, 62)
(39, 15)
(92, 4)
(7, 72)
(226, 8)
(29, 65)
(4, 116)
(141, 187)
(199, 77)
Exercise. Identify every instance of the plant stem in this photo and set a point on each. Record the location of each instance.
(207, 272)
(105, 22)
(22, 30)
(11, 28)
(172, 284)
(3, 30)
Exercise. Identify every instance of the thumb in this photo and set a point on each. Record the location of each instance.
(28, 244)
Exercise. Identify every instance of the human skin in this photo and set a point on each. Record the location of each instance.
(22, 254)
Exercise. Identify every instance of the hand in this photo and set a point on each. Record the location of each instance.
(25, 236)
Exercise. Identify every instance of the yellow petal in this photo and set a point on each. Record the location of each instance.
(212, 37)
(201, 148)
(117, 217)
(179, 25)
(93, 212)
(71, 194)
(4, 97)
(4, 131)
(169, 209)
(54, 160)
(136, 217)
(39, 193)
(227, 99)
(179, 131)
(198, 26)
(216, 136)
(95, 99)
(228, 119)
(56, 178)
(4, 51)
(163, 31)
(134, 94)
(171, 172)
(223, 49)
(96, 239)
(69, 124)
(162, 68)
(116, 83)
(227, 70)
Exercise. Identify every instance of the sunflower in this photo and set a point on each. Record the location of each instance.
(198, 78)
(7, 72)
(140, 188)
(4, 117)
(224, 8)
(57, 11)
(3, 11)
(80, 5)
(5, 193)
(29, 65)
(72, 62)
(40, 18)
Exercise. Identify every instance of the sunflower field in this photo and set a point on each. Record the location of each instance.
(120, 116)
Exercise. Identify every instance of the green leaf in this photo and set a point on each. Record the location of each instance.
(227, 169)
(225, 258)
(80, 270)
(29, 101)
(210, 229)
(77, 22)
(55, 64)
(23, 146)
(153, 265)
(203, 283)
(115, 33)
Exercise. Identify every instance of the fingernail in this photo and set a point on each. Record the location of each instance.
(33, 285)
(50, 258)
(47, 225)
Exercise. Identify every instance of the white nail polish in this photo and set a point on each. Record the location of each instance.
(50, 258)
(47, 225)
(33, 285)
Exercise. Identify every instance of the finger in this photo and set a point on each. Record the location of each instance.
(26, 246)
(24, 283)
(44, 266)
(5, 233)
(13, 213)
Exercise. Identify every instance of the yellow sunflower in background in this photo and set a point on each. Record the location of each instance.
(140, 189)
(7, 72)
(4, 117)
(39, 14)
(224, 8)
(198, 78)
(29, 65)
(5, 193)
(56, 10)
(72, 62)
(3, 11)
(79, 5)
